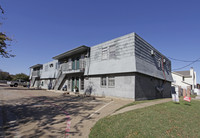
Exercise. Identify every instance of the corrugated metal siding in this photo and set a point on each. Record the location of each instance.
(120, 60)
(148, 64)
(143, 51)
(123, 45)
(50, 72)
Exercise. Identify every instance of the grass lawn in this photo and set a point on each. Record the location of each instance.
(162, 120)
(193, 96)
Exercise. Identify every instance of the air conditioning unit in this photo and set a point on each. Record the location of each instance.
(152, 53)
(164, 60)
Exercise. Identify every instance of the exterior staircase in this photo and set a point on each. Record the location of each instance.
(59, 80)
(33, 81)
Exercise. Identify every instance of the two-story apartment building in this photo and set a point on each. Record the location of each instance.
(127, 67)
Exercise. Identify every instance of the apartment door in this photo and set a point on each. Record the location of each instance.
(77, 63)
(77, 83)
(73, 65)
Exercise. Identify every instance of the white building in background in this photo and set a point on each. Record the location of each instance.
(185, 79)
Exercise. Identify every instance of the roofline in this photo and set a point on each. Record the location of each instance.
(70, 51)
(181, 74)
(177, 74)
(104, 42)
(37, 65)
(186, 83)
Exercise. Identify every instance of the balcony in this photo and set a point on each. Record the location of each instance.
(77, 66)
(36, 73)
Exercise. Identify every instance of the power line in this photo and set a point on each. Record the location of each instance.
(187, 65)
(183, 60)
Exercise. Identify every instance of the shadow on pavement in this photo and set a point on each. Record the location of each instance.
(44, 116)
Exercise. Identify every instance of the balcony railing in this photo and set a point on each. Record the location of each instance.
(74, 66)
(36, 73)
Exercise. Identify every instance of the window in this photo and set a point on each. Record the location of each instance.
(112, 53)
(104, 53)
(51, 65)
(111, 81)
(77, 63)
(103, 81)
(73, 64)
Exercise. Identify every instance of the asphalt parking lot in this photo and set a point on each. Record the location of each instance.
(38, 113)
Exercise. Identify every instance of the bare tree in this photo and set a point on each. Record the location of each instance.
(4, 39)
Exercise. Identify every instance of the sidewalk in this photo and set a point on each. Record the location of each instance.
(102, 112)
(197, 97)
(142, 105)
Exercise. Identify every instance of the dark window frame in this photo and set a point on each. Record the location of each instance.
(103, 81)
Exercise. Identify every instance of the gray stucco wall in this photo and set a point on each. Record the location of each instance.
(124, 86)
(46, 83)
(37, 83)
(49, 71)
(146, 87)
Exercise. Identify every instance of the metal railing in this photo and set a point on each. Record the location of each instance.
(77, 66)
(36, 73)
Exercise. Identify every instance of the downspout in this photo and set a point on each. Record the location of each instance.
(88, 62)
(163, 69)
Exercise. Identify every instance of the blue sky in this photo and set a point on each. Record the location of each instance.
(42, 29)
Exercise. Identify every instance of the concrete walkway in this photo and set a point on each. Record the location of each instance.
(197, 97)
(102, 112)
(142, 105)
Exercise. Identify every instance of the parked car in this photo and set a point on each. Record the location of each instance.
(17, 83)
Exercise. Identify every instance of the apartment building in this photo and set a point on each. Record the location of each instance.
(127, 67)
